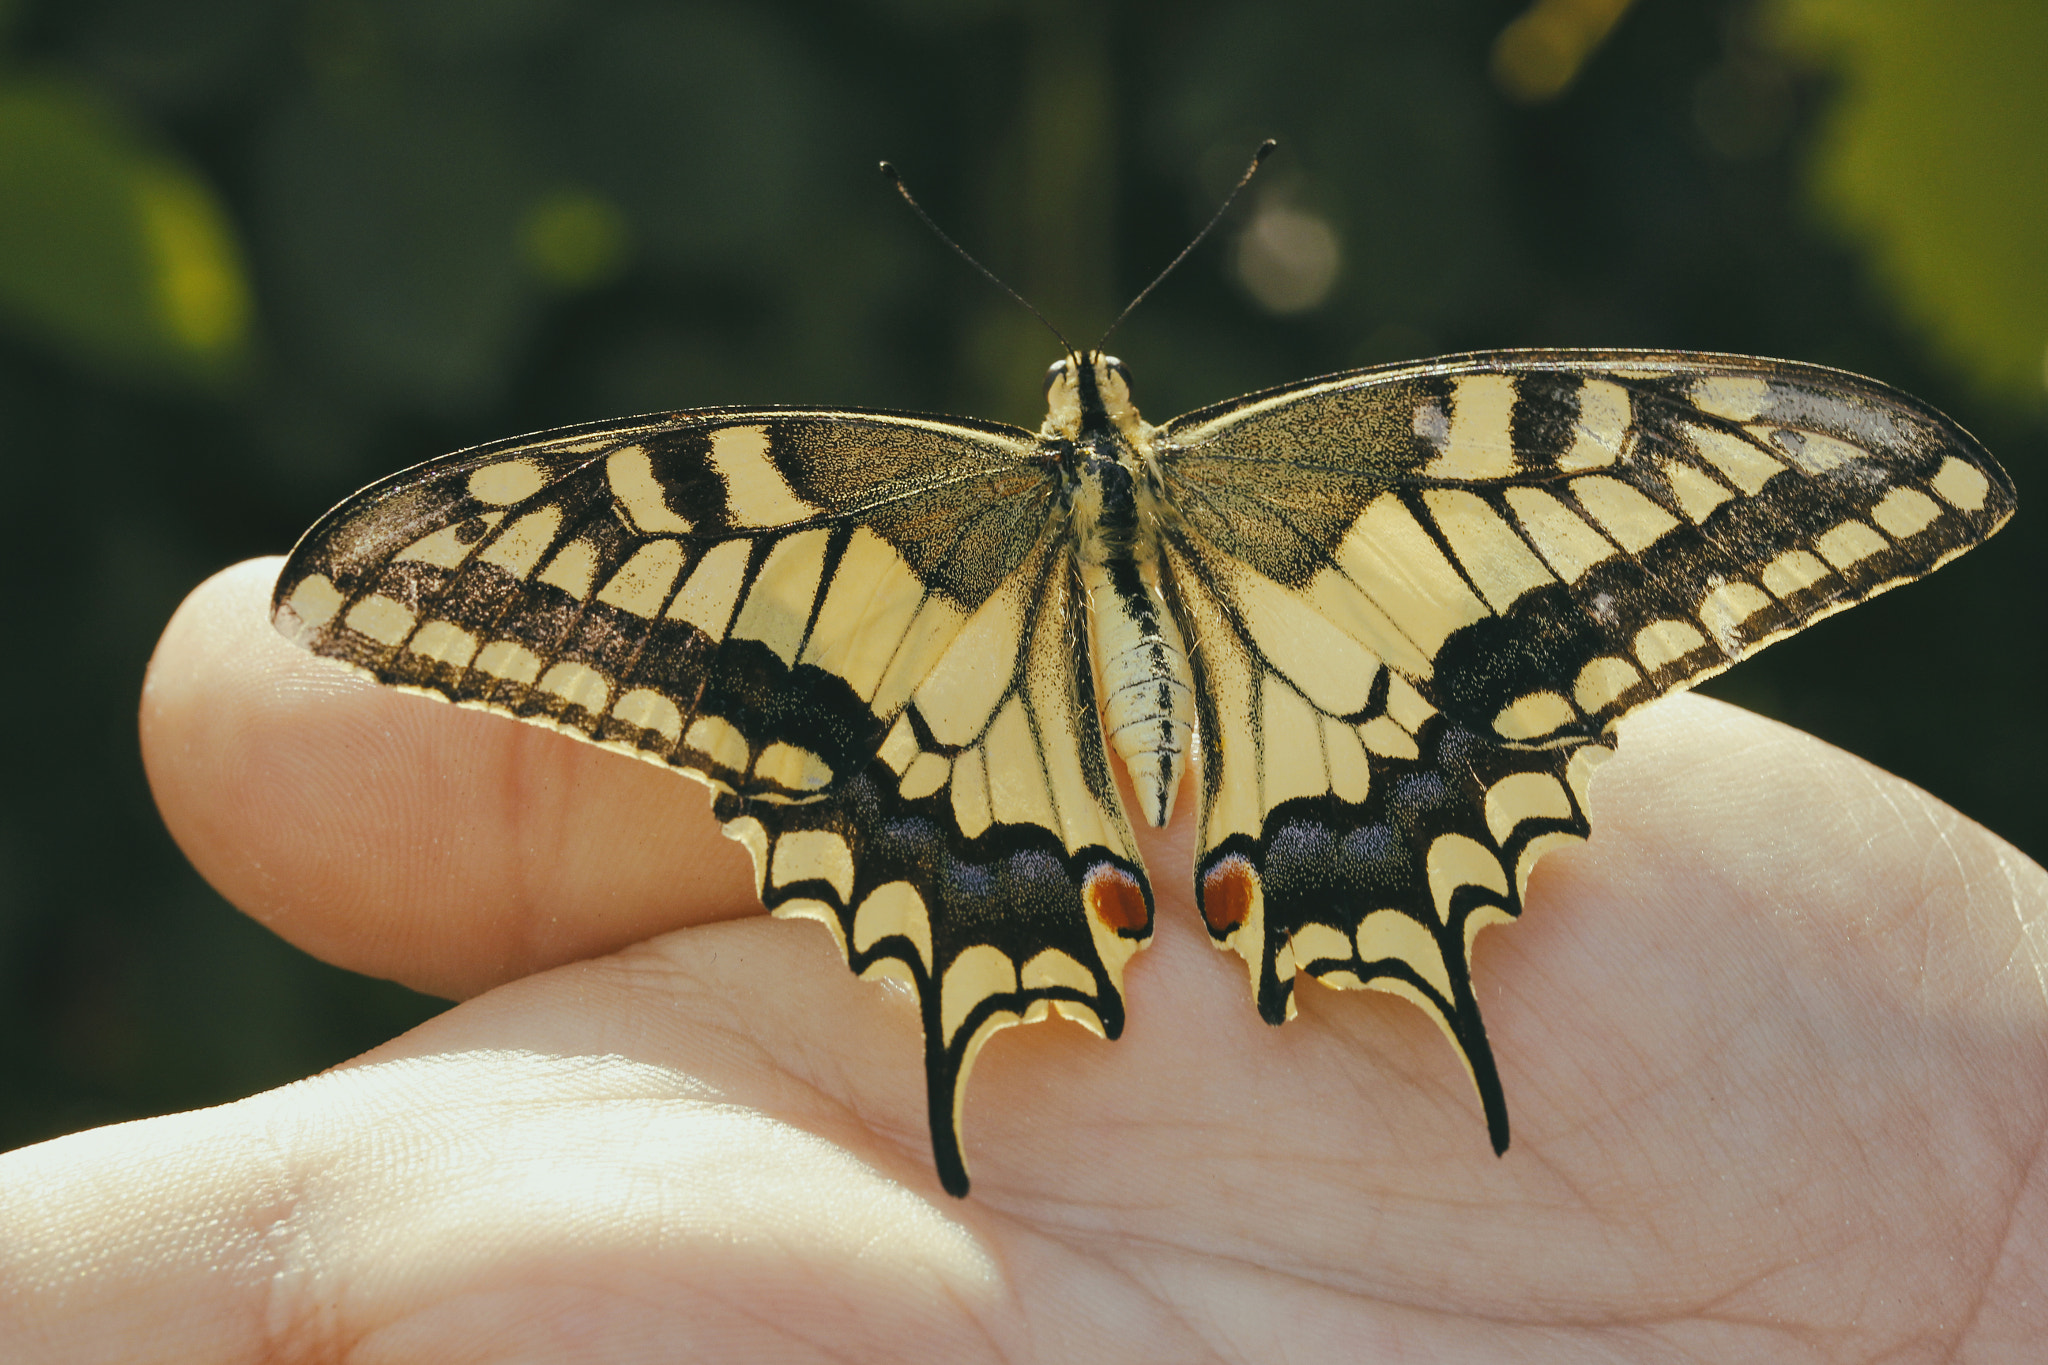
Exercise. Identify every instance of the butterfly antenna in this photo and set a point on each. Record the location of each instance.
(889, 173)
(1265, 150)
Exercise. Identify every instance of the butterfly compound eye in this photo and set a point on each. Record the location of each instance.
(1053, 372)
(1119, 369)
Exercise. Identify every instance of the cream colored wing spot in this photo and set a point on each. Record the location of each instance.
(869, 606)
(1602, 680)
(925, 775)
(1564, 539)
(1850, 543)
(720, 741)
(930, 632)
(1809, 450)
(1409, 578)
(1290, 748)
(1430, 425)
(970, 793)
(1407, 706)
(1017, 793)
(1457, 860)
(649, 710)
(520, 545)
(1905, 512)
(1533, 715)
(1960, 486)
(894, 909)
(1725, 608)
(1312, 652)
(573, 569)
(793, 767)
(1313, 943)
(446, 548)
(1480, 442)
(1524, 796)
(778, 606)
(1389, 935)
(510, 660)
(1597, 436)
(751, 835)
(383, 620)
(579, 685)
(1739, 462)
(969, 680)
(813, 855)
(640, 495)
(1791, 572)
(1338, 600)
(1387, 739)
(507, 481)
(706, 600)
(978, 973)
(642, 584)
(1634, 522)
(1055, 970)
(314, 601)
(1488, 550)
(1350, 770)
(1665, 642)
(899, 747)
(756, 494)
(1739, 398)
(1697, 494)
(444, 642)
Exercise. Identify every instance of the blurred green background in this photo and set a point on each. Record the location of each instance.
(254, 254)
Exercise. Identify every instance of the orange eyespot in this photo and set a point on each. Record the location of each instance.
(1227, 893)
(1114, 897)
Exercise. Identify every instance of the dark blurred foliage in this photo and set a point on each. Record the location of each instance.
(254, 253)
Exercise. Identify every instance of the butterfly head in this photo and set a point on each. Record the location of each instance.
(1089, 394)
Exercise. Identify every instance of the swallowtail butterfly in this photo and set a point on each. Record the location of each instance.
(1389, 618)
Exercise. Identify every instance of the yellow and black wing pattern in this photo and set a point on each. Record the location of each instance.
(1402, 611)
(857, 628)
(1419, 598)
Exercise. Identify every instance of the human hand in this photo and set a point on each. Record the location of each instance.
(1775, 1043)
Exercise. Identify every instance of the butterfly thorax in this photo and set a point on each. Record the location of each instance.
(1140, 663)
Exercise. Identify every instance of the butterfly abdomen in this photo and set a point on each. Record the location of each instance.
(1146, 688)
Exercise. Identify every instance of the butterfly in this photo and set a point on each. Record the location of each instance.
(1388, 619)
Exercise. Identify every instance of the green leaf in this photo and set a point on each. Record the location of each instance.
(1935, 157)
(111, 250)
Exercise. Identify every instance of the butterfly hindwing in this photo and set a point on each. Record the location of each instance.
(1419, 599)
(984, 858)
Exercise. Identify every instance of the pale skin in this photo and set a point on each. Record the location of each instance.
(1775, 1045)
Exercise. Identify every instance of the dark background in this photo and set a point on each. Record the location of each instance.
(253, 255)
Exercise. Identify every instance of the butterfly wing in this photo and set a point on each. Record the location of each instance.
(1421, 597)
(856, 628)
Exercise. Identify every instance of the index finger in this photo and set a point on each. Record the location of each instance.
(398, 836)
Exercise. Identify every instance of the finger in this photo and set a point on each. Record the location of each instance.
(402, 837)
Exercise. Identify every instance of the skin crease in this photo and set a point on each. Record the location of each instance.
(1775, 1043)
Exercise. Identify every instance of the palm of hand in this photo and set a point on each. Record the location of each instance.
(1775, 1043)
